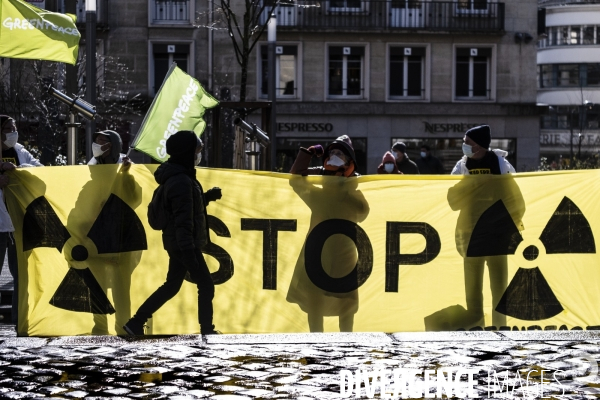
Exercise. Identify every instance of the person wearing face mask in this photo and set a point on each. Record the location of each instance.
(404, 164)
(388, 165)
(13, 155)
(13, 152)
(428, 164)
(338, 159)
(185, 234)
(106, 149)
(478, 159)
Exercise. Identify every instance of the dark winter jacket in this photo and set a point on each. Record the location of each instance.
(407, 166)
(188, 221)
(430, 165)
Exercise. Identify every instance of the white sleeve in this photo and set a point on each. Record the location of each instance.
(457, 170)
(92, 161)
(28, 159)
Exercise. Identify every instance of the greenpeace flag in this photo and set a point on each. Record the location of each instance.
(179, 105)
(30, 32)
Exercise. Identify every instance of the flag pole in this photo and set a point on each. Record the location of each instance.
(137, 135)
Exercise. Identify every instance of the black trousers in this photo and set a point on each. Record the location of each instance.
(175, 277)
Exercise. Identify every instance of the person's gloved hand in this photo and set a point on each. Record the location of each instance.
(316, 150)
(213, 194)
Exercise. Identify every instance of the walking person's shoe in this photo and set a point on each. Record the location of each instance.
(134, 328)
(209, 331)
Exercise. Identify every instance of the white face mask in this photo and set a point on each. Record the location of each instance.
(388, 168)
(97, 150)
(11, 139)
(467, 150)
(335, 161)
(423, 154)
(198, 158)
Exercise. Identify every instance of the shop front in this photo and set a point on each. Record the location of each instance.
(373, 135)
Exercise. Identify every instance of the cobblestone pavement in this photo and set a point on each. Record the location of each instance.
(295, 366)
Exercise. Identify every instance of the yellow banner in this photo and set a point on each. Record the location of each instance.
(299, 254)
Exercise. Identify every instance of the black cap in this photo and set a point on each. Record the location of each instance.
(344, 144)
(181, 147)
(399, 146)
(480, 135)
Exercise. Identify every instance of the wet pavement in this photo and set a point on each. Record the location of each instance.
(294, 366)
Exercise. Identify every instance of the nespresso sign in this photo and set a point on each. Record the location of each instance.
(304, 127)
(443, 128)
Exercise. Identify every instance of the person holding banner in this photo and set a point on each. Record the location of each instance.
(106, 149)
(185, 234)
(13, 155)
(338, 204)
(491, 209)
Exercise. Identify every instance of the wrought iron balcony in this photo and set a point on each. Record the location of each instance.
(170, 12)
(393, 15)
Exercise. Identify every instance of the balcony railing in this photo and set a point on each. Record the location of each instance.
(393, 15)
(170, 12)
(101, 13)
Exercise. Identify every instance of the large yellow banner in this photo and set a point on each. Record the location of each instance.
(299, 254)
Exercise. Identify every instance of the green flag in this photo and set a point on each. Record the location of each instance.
(30, 32)
(178, 106)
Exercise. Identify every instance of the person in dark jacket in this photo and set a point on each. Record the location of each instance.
(405, 165)
(106, 149)
(428, 164)
(185, 234)
(388, 165)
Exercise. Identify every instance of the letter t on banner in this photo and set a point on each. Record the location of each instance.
(269, 227)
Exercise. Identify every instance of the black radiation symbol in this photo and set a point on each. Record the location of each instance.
(528, 296)
(117, 229)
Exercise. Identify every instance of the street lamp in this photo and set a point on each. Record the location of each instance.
(272, 38)
(90, 70)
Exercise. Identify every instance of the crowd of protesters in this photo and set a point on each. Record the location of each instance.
(186, 229)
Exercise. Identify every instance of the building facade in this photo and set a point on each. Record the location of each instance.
(569, 81)
(420, 72)
(379, 71)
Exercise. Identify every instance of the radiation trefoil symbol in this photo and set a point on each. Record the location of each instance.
(117, 229)
(529, 296)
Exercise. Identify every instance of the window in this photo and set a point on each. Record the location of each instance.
(547, 76)
(346, 66)
(588, 35)
(575, 35)
(170, 11)
(339, 5)
(163, 55)
(568, 75)
(472, 6)
(473, 73)
(286, 72)
(592, 75)
(406, 72)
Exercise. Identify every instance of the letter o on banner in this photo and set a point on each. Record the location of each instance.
(314, 247)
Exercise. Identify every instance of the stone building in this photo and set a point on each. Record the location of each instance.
(569, 80)
(376, 70)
